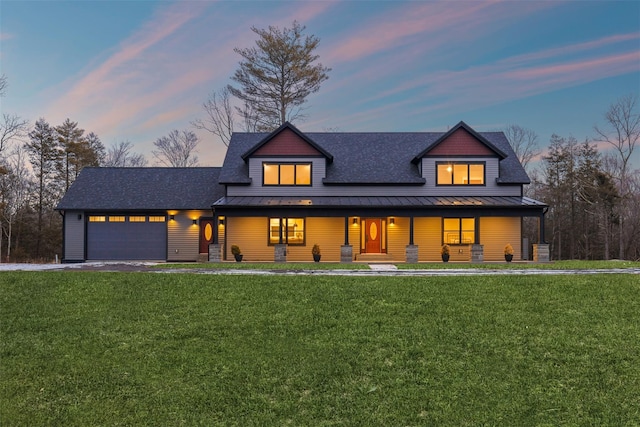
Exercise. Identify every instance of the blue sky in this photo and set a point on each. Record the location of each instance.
(134, 70)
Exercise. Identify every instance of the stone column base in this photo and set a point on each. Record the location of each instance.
(411, 252)
(280, 253)
(477, 254)
(346, 253)
(541, 252)
(215, 252)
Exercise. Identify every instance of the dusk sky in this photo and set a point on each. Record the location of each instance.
(135, 70)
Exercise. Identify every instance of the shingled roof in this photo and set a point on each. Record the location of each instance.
(371, 158)
(143, 189)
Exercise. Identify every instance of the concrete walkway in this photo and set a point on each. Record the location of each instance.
(374, 270)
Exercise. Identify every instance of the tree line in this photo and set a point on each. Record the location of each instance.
(591, 187)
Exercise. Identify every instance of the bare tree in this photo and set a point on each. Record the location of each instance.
(622, 132)
(219, 119)
(15, 187)
(120, 155)
(11, 128)
(524, 143)
(177, 149)
(276, 77)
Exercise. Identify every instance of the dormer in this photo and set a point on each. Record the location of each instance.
(286, 158)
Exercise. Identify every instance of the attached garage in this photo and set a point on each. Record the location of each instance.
(126, 237)
(153, 214)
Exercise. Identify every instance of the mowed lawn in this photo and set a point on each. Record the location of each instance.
(86, 348)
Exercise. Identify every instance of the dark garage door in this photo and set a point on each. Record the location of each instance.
(127, 241)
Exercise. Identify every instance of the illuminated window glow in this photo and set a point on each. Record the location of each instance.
(460, 173)
(292, 231)
(286, 174)
(97, 218)
(458, 231)
(137, 219)
(157, 218)
(116, 218)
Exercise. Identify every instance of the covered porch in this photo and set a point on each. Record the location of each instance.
(370, 229)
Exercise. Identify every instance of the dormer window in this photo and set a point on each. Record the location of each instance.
(289, 174)
(460, 173)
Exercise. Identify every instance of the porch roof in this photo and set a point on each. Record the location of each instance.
(379, 202)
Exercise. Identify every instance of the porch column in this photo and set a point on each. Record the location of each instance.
(216, 221)
(346, 230)
(346, 250)
(411, 250)
(411, 230)
(541, 252)
(280, 253)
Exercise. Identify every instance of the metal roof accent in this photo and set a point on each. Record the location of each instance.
(378, 201)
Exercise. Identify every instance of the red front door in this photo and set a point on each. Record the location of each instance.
(206, 235)
(372, 236)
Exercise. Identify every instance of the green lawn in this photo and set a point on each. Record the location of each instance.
(556, 265)
(83, 349)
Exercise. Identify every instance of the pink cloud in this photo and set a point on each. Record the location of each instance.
(109, 76)
(425, 23)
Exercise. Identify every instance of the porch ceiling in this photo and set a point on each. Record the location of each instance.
(379, 202)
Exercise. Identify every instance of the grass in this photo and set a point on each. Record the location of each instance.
(295, 266)
(86, 348)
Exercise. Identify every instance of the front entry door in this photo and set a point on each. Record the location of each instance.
(372, 236)
(206, 235)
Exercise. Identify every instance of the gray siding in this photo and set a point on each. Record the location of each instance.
(74, 236)
(183, 236)
(319, 189)
(491, 188)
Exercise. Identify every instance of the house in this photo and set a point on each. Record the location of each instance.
(392, 197)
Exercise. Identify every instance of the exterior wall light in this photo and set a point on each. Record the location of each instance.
(355, 221)
(195, 222)
(392, 221)
(172, 217)
(221, 221)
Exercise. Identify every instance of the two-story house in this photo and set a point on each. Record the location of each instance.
(394, 197)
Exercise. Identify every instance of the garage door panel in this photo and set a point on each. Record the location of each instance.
(126, 241)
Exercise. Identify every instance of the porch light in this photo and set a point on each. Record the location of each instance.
(221, 221)
(392, 221)
(195, 222)
(355, 221)
(172, 217)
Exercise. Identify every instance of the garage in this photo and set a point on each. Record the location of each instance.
(126, 237)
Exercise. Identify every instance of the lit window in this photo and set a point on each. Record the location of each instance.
(460, 173)
(458, 231)
(137, 218)
(116, 218)
(286, 174)
(292, 231)
(97, 218)
(157, 218)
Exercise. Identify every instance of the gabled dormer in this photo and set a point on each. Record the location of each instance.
(283, 162)
(287, 141)
(463, 162)
(461, 140)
